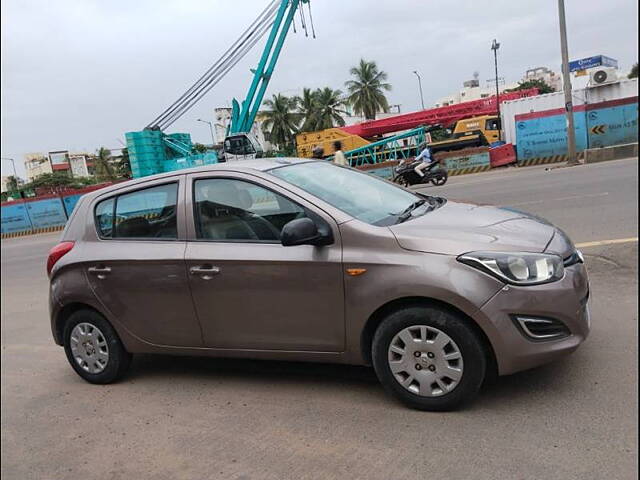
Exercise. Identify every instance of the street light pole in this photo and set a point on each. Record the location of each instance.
(213, 138)
(420, 86)
(495, 46)
(566, 78)
(15, 173)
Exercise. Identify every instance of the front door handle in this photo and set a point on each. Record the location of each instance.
(205, 271)
(100, 272)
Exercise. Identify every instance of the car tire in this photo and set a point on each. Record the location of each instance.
(104, 358)
(429, 388)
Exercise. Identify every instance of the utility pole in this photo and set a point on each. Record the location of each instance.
(420, 86)
(566, 78)
(495, 46)
(213, 138)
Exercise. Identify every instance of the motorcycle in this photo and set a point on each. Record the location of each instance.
(406, 175)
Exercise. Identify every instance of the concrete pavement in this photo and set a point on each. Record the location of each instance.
(194, 418)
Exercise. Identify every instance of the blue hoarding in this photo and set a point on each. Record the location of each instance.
(592, 62)
(613, 126)
(547, 136)
(46, 213)
(15, 218)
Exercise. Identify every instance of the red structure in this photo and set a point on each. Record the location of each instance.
(445, 116)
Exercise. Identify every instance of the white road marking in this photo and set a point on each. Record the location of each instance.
(560, 199)
(599, 243)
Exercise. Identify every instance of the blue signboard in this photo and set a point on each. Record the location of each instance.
(592, 62)
(613, 125)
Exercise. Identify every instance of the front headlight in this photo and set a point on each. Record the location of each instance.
(517, 268)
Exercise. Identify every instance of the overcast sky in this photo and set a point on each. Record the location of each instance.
(77, 74)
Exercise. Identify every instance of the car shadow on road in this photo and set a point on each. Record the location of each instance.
(518, 388)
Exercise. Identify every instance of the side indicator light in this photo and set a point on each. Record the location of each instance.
(354, 272)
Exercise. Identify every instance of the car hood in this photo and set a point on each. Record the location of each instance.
(457, 228)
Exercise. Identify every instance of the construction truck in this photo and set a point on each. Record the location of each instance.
(470, 132)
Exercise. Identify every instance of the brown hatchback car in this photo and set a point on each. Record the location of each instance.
(307, 261)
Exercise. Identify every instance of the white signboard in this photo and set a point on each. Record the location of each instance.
(78, 165)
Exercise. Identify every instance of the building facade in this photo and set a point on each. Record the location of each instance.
(551, 78)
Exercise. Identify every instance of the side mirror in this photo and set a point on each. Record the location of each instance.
(303, 231)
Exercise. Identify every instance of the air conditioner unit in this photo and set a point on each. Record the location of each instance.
(603, 76)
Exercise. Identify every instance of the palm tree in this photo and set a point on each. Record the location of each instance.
(366, 90)
(103, 167)
(308, 108)
(281, 120)
(329, 108)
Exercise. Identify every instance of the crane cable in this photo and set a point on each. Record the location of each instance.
(233, 54)
(204, 89)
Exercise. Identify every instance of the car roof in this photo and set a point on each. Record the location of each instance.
(261, 165)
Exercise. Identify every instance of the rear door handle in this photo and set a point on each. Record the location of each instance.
(100, 272)
(205, 271)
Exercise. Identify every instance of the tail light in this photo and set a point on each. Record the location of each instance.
(56, 253)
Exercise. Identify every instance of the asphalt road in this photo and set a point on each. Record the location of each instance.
(194, 418)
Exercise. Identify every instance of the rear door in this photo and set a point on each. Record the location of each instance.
(250, 292)
(137, 269)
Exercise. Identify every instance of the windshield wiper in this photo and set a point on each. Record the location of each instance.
(406, 213)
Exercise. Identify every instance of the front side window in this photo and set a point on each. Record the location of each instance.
(146, 213)
(235, 210)
(493, 124)
(360, 195)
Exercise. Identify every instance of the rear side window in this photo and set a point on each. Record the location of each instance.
(104, 217)
(147, 213)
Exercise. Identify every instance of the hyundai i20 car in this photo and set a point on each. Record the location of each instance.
(303, 260)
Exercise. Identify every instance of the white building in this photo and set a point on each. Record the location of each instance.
(471, 90)
(37, 164)
(551, 78)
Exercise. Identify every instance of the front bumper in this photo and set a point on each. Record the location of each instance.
(565, 300)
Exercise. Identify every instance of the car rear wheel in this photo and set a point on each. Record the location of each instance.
(94, 349)
(428, 358)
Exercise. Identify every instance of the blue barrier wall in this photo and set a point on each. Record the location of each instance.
(547, 136)
(15, 218)
(544, 134)
(47, 213)
(613, 126)
(70, 203)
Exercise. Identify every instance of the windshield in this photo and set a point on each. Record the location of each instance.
(361, 195)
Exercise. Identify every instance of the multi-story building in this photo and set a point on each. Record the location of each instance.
(471, 90)
(550, 77)
(76, 164)
(36, 164)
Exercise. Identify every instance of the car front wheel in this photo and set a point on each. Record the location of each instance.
(94, 349)
(428, 358)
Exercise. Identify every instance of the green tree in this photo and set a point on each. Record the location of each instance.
(542, 86)
(124, 166)
(200, 148)
(308, 108)
(634, 71)
(104, 169)
(329, 108)
(366, 90)
(281, 120)
(12, 183)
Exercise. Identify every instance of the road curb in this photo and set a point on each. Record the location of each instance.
(34, 231)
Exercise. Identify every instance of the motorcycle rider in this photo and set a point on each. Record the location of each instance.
(426, 157)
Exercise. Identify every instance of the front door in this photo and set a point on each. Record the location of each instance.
(251, 292)
(137, 269)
